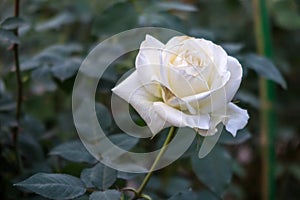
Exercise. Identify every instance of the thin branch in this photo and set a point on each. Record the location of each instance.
(16, 129)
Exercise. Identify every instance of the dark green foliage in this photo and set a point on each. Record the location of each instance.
(214, 170)
(54, 186)
(99, 176)
(8, 36)
(106, 195)
(11, 23)
(227, 138)
(265, 68)
(55, 37)
(73, 151)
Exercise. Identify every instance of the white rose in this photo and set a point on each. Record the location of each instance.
(188, 82)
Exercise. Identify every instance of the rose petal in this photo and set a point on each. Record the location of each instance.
(150, 52)
(212, 100)
(214, 121)
(216, 53)
(213, 75)
(184, 85)
(180, 119)
(132, 91)
(176, 42)
(149, 59)
(179, 83)
(236, 119)
(148, 76)
(234, 82)
(223, 93)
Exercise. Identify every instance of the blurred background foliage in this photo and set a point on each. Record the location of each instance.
(54, 38)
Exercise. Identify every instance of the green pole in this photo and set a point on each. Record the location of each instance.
(267, 98)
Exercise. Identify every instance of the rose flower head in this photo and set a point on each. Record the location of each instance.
(187, 82)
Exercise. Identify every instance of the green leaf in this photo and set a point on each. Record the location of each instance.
(232, 48)
(66, 49)
(119, 17)
(249, 98)
(49, 57)
(103, 116)
(54, 186)
(185, 195)
(56, 56)
(190, 195)
(12, 23)
(8, 36)
(166, 6)
(163, 19)
(126, 176)
(106, 195)
(265, 68)
(103, 177)
(33, 126)
(73, 151)
(124, 141)
(86, 177)
(30, 148)
(56, 22)
(41, 73)
(177, 184)
(227, 138)
(207, 195)
(42, 80)
(99, 176)
(84, 197)
(7, 105)
(29, 64)
(66, 69)
(110, 74)
(2, 86)
(214, 170)
(155, 183)
(203, 33)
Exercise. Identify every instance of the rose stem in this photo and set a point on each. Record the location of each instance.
(156, 161)
(16, 129)
(267, 98)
